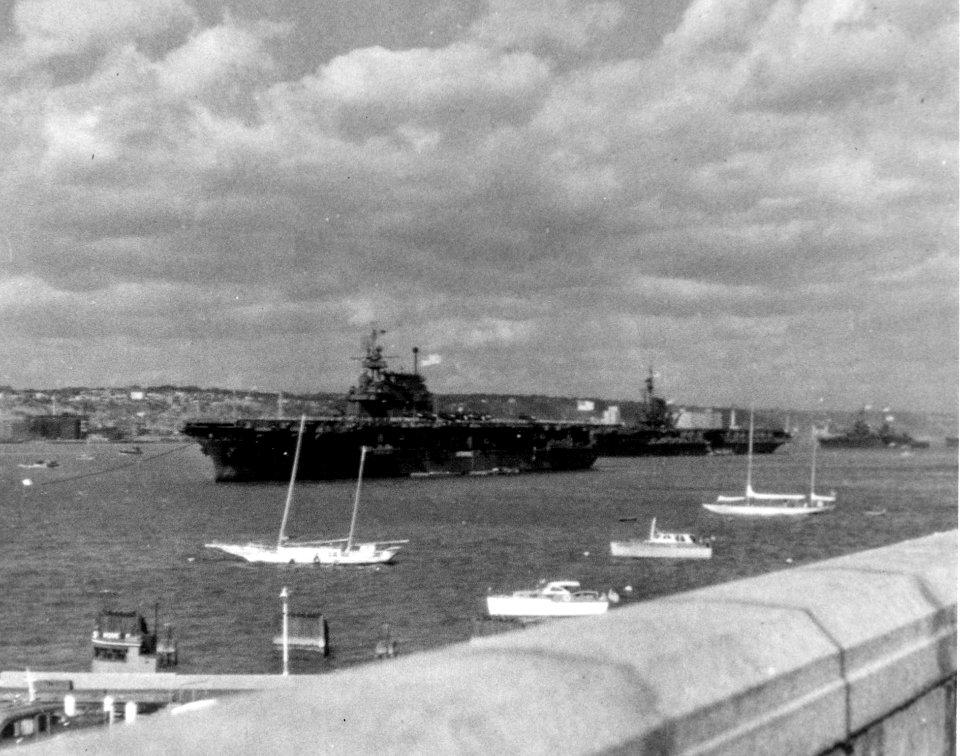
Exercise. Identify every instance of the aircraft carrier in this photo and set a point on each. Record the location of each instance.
(391, 413)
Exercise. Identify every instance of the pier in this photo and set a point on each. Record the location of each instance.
(854, 655)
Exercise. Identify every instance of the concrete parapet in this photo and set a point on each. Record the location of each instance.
(805, 661)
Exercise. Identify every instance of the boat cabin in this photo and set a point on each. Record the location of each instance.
(673, 539)
(560, 588)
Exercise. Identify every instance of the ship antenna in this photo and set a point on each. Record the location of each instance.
(416, 353)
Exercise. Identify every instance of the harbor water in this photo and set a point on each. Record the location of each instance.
(102, 527)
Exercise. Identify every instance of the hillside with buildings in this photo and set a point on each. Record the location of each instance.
(158, 412)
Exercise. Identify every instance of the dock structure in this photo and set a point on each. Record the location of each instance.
(158, 688)
(850, 655)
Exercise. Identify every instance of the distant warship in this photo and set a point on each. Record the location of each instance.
(861, 435)
(656, 434)
(391, 413)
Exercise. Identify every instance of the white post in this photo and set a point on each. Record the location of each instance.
(284, 595)
(108, 708)
(130, 712)
(70, 705)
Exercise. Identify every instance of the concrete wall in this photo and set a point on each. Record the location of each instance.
(852, 655)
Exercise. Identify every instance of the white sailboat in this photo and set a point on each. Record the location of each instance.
(335, 551)
(753, 504)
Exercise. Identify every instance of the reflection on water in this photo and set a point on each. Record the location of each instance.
(90, 528)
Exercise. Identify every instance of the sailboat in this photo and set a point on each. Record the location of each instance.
(753, 504)
(335, 551)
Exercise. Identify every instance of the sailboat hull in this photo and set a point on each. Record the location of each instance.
(786, 509)
(357, 554)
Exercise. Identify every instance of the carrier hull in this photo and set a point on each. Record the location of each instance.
(263, 450)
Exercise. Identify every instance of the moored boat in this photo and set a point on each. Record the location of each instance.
(123, 642)
(753, 504)
(35, 722)
(664, 545)
(558, 598)
(338, 551)
(39, 464)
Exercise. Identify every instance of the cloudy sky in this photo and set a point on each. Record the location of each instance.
(758, 198)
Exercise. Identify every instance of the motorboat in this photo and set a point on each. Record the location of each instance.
(39, 464)
(337, 551)
(662, 544)
(557, 598)
(123, 642)
(753, 504)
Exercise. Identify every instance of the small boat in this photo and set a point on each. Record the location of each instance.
(663, 545)
(24, 723)
(132, 451)
(386, 647)
(344, 551)
(753, 504)
(558, 598)
(39, 464)
(122, 642)
(307, 635)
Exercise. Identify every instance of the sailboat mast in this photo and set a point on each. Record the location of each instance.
(356, 499)
(813, 464)
(293, 477)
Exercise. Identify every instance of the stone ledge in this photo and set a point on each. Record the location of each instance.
(791, 662)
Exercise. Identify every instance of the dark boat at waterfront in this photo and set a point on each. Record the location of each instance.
(861, 435)
(123, 642)
(656, 434)
(391, 413)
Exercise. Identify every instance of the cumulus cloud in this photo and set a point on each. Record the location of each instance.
(525, 23)
(49, 28)
(531, 189)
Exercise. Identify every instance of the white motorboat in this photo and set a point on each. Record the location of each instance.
(661, 544)
(753, 504)
(337, 551)
(558, 598)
